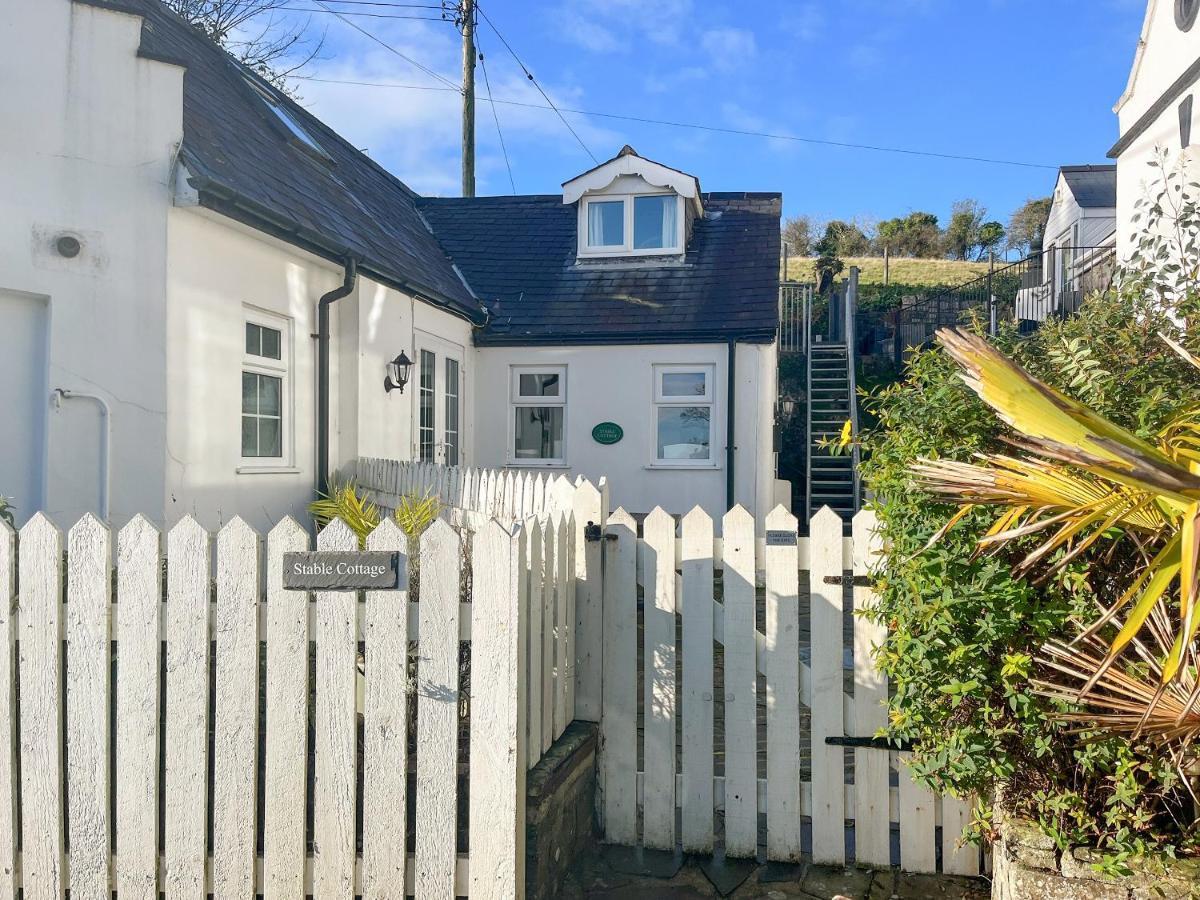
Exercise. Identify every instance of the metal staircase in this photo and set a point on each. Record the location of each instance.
(831, 480)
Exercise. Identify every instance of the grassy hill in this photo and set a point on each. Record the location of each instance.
(925, 272)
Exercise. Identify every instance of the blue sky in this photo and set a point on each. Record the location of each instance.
(1026, 80)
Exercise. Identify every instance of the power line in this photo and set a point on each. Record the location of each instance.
(529, 75)
(370, 15)
(878, 148)
(495, 115)
(382, 43)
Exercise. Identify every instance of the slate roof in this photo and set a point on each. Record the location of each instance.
(516, 255)
(1094, 187)
(245, 164)
(519, 256)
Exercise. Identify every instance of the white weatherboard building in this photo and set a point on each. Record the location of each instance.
(1158, 109)
(171, 227)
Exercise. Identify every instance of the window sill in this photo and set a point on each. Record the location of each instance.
(535, 465)
(684, 467)
(267, 470)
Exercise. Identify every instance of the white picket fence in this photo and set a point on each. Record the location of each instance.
(57, 692)
(470, 495)
(682, 799)
(504, 494)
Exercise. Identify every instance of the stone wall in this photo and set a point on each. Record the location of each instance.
(1027, 864)
(559, 810)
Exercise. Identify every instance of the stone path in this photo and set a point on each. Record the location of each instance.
(598, 878)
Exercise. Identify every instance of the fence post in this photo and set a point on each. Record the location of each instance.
(589, 604)
(498, 679)
(993, 324)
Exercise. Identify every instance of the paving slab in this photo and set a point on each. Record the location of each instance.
(833, 882)
(727, 875)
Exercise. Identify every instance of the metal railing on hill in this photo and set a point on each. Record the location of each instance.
(1044, 284)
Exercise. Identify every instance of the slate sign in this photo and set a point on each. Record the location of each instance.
(337, 570)
(781, 539)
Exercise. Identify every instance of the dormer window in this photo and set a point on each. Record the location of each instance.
(632, 206)
(631, 224)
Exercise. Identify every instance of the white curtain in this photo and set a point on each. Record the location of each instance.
(670, 207)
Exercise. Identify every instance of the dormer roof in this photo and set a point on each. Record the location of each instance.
(628, 162)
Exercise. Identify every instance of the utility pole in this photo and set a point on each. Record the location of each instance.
(467, 12)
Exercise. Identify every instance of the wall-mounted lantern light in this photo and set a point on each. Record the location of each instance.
(397, 373)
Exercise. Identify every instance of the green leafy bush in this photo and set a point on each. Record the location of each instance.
(964, 633)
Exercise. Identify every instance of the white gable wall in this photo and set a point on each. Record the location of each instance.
(88, 136)
(1166, 53)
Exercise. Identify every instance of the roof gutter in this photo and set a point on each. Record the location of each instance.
(349, 278)
(762, 336)
(270, 222)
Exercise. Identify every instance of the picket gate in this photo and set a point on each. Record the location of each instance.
(196, 652)
(677, 589)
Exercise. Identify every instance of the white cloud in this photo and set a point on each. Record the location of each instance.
(606, 26)
(805, 21)
(728, 48)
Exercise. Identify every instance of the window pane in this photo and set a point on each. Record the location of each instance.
(249, 436)
(253, 339)
(270, 442)
(654, 222)
(271, 343)
(451, 412)
(683, 384)
(606, 223)
(533, 385)
(269, 390)
(539, 432)
(425, 428)
(249, 392)
(683, 432)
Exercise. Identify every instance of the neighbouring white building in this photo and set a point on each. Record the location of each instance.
(1077, 247)
(171, 227)
(1158, 109)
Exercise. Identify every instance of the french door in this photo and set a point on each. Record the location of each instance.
(440, 381)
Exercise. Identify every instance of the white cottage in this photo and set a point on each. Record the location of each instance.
(203, 290)
(1158, 108)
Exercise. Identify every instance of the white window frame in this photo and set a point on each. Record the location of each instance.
(661, 401)
(516, 401)
(276, 368)
(627, 249)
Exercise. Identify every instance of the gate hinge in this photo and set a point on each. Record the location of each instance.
(855, 581)
(869, 743)
(592, 532)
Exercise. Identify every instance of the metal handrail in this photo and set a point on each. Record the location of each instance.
(852, 379)
(808, 301)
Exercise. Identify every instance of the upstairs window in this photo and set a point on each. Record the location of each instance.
(630, 225)
(289, 120)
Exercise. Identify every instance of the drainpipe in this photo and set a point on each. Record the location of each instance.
(61, 394)
(730, 409)
(350, 276)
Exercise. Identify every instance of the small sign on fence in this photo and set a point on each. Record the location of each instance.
(781, 539)
(330, 570)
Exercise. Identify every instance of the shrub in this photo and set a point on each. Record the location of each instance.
(964, 634)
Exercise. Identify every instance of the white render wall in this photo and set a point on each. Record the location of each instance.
(616, 384)
(88, 134)
(1167, 54)
(220, 270)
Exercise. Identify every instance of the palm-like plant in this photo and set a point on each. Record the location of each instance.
(1087, 480)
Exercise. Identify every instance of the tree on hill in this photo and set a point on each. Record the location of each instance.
(1027, 226)
(828, 249)
(257, 33)
(800, 232)
(916, 235)
(991, 236)
(845, 239)
(962, 234)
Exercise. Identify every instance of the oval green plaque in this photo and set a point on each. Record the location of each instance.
(607, 433)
